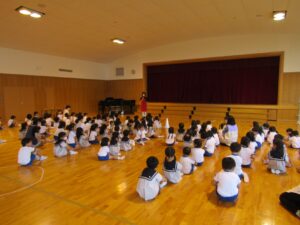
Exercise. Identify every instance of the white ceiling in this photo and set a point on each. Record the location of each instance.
(82, 29)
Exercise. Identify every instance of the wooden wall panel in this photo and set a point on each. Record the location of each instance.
(126, 89)
(51, 92)
(291, 88)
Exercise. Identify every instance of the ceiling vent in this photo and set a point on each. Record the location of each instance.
(120, 71)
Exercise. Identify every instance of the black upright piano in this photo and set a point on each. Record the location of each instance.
(117, 105)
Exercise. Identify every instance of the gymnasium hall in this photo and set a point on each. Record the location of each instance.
(146, 112)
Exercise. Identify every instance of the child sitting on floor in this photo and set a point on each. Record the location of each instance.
(276, 158)
(27, 153)
(246, 152)
(235, 150)
(180, 132)
(150, 181)
(170, 140)
(172, 168)
(210, 144)
(188, 164)
(227, 181)
(198, 152)
(61, 148)
(11, 122)
(294, 141)
(126, 144)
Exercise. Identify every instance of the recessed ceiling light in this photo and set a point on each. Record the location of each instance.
(29, 12)
(24, 12)
(279, 15)
(36, 15)
(118, 41)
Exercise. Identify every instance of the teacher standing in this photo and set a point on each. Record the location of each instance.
(143, 102)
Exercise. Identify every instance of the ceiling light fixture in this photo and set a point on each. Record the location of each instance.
(118, 41)
(279, 15)
(29, 12)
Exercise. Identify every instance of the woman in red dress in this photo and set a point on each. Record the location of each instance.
(143, 102)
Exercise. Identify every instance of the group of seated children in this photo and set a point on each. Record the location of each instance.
(228, 180)
(80, 131)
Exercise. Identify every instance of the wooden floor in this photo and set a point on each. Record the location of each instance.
(81, 190)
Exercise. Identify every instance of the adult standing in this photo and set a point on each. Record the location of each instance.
(143, 103)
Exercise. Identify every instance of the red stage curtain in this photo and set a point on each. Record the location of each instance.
(239, 81)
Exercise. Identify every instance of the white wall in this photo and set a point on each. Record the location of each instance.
(212, 47)
(29, 63)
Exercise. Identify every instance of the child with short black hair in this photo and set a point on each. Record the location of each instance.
(258, 134)
(294, 141)
(93, 134)
(156, 123)
(246, 152)
(141, 137)
(198, 152)
(271, 134)
(126, 144)
(252, 145)
(209, 144)
(11, 122)
(227, 181)
(170, 140)
(172, 168)
(60, 128)
(235, 149)
(180, 132)
(27, 153)
(71, 140)
(187, 139)
(23, 130)
(114, 148)
(103, 153)
(188, 164)
(150, 181)
(265, 128)
(216, 136)
(288, 134)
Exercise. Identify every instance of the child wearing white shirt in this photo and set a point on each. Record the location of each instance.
(61, 128)
(180, 132)
(216, 136)
(271, 134)
(103, 153)
(82, 138)
(198, 152)
(188, 164)
(252, 145)
(27, 154)
(170, 140)
(246, 152)
(259, 138)
(93, 134)
(294, 139)
(114, 148)
(157, 123)
(141, 135)
(61, 148)
(227, 181)
(265, 128)
(187, 139)
(126, 144)
(210, 144)
(150, 181)
(11, 122)
(235, 149)
(172, 168)
(72, 140)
